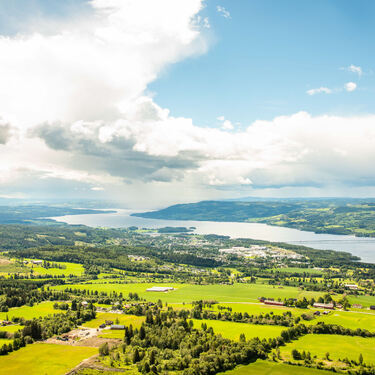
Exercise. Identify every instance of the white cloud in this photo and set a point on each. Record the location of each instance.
(93, 68)
(354, 69)
(223, 11)
(76, 117)
(320, 90)
(350, 86)
(225, 124)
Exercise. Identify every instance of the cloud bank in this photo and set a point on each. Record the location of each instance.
(77, 120)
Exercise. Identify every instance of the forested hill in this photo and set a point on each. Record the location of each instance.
(36, 214)
(335, 216)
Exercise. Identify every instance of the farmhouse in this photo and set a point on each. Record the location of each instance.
(38, 262)
(160, 289)
(275, 303)
(351, 286)
(328, 306)
(117, 326)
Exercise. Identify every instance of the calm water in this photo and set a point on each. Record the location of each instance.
(362, 247)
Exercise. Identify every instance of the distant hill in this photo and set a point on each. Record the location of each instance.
(325, 215)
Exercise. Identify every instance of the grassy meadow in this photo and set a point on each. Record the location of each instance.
(189, 292)
(136, 321)
(232, 330)
(338, 347)
(30, 312)
(44, 359)
(270, 368)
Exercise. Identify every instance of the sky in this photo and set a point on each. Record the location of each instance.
(155, 102)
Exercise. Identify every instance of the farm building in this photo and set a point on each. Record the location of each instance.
(275, 303)
(328, 306)
(160, 289)
(351, 286)
(357, 306)
(117, 326)
(38, 262)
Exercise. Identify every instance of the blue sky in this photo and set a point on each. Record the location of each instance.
(264, 58)
(163, 101)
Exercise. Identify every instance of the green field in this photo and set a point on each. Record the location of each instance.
(188, 292)
(44, 359)
(338, 346)
(27, 312)
(136, 321)
(13, 328)
(348, 319)
(70, 269)
(270, 368)
(232, 330)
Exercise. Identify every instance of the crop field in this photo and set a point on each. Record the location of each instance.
(44, 359)
(310, 271)
(188, 292)
(339, 347)
(232, 330)
(136, 321)
(30, 312)
(270, 368)
(70, 269)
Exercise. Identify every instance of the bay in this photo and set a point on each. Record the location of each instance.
(359, 246)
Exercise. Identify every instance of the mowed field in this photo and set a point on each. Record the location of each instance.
(270, 368)
(135, 321)
(232, 330)
(188, 293)
(339, 347)
(44, 359)
(27, 312)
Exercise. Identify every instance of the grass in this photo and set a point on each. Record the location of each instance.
(44, 359)
(270, 368)
(188, 292)
(70, 269)
(338, 346)
(136, 321)
(348, 319)
(232, 330)
(27, 312)
(11, 329)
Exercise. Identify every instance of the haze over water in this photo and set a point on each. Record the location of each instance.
(359, 246)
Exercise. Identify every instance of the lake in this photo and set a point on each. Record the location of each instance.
(359, 246)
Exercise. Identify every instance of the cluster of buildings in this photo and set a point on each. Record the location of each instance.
(160, 289)
(257, 251)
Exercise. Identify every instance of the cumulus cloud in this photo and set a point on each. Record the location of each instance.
(320, 90)
(75, 99)
(350, 86)
(220, 9)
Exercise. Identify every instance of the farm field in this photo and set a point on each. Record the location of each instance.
(232, 330)
(70, 269)
(339, 347)
(136, 321)
(189, 292)
(30, 312)
(13, 328)
(44, 359)
(270, 368)
(348, 319)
